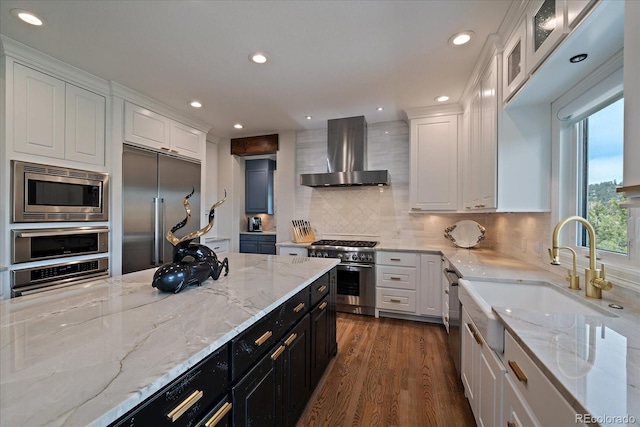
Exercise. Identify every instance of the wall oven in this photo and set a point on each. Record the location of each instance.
(28, 281)
(46, 243)
(356, 277)
(48, 193)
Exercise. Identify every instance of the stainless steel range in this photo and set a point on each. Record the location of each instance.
(356, 287)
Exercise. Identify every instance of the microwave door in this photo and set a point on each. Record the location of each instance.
(139, 198)
(176, 178)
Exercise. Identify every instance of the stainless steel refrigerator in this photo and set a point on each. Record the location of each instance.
(154, 186)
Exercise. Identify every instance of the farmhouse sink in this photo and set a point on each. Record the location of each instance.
(478, 298)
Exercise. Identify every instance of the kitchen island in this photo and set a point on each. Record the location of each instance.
(88, 354)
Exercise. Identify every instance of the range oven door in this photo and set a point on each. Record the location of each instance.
(356, 288)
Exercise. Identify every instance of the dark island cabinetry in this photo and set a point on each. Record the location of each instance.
(262, 377)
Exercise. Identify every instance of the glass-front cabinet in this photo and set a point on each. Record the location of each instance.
(545, 28)
(513, 66)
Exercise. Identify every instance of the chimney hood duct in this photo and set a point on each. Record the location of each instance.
(346, 157)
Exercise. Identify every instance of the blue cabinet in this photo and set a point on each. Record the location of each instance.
(259, 186)
(258, 244)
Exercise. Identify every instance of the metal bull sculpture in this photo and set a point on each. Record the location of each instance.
(192, 263)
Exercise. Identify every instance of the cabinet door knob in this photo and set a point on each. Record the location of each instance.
(517, 371)
(217, 417)
(184, 406)
(299, 307)
(263, 338)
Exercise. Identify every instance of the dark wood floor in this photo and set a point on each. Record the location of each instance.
(389, 373)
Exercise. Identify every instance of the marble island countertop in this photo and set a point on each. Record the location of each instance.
(88, 354)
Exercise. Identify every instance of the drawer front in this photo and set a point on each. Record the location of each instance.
(248, 237)
(292, 311)
(396, 277)
(407, 259)
(253, 343)
(300, 251)
(319, 289)
(187, 398)
(219, 416)
(547, 404)
(219, 246)
(396, 299)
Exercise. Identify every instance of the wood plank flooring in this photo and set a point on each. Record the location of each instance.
(388, 373)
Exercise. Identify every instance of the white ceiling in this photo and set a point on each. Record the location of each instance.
(328, 59)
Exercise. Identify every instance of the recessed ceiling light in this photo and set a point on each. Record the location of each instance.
(442, 98)
(578, 58)
(238, 126)
(308, 117)
(195, 104)
(461, 38)
(28, 17)
(380, 108)
(258, 58)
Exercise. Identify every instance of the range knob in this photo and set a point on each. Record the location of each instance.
(325, 255)
(370, 258)
(354, 257)
(340, 257)
(312, 254)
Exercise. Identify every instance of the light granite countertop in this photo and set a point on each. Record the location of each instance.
(86, 355)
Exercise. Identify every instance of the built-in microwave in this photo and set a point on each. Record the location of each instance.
(49, 193)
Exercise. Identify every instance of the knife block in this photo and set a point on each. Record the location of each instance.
(299, 235)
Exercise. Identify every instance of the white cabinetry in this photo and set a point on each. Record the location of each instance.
(396, 282)
(433, 184)
(150, 129)
(514, 71)
(538, 399)
(483, 142)
(218, 245)
(546, 24)
(431, 285)
(56, 119)
(292, 250)
(482, 375)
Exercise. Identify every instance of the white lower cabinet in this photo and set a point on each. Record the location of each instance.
(409, 283)
(482, 375)
(516, 413)
(219, 246)
(292, 250)
(542, 402)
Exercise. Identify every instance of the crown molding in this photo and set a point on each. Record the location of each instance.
(54, 67)
(432, 111)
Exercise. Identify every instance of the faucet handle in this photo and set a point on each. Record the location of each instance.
(600, 282)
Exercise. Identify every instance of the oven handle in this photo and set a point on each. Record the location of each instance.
(61, 232)
(355, 265)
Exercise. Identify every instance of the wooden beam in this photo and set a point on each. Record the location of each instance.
(254, 145)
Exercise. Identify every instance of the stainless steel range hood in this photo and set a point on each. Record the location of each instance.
(346, 157)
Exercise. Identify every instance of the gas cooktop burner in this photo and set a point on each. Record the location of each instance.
(346, 243)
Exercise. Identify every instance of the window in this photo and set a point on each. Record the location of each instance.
(600, 151)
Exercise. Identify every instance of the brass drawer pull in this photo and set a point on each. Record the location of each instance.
(476, 335)
(322, 288)
(510, 424)
(278, 352)
(395, 300)
(293, 253)
(517, 371)
(446, 291)
(395, 278)
(395, 259)
(264, 338)
(184, 406)
(299, 307)
(323, 306)
(219, 415)
(291, 339)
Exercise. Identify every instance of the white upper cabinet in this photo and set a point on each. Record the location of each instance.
(84, 127)
(433, 184)
(56, 119)
(546, 26)
(514, 71)
(38, 114)
(481, 174)
(576, 9)
(153, 130)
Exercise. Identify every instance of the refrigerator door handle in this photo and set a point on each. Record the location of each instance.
(160, 234)
(156, 227)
